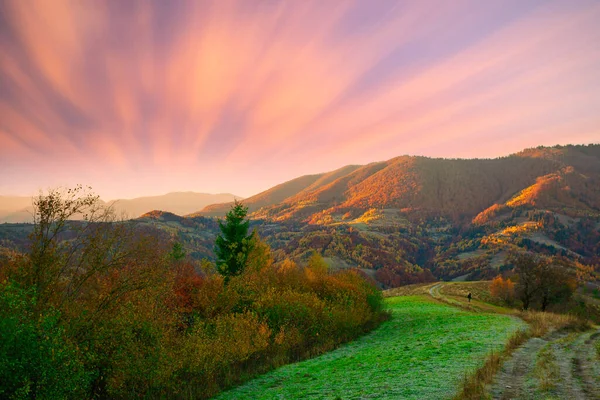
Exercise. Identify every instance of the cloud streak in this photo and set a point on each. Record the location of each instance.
(140, 98)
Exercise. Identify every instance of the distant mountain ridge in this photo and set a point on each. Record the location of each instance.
(19, 208)
(15, 209)
(180, 203)
(560, 177)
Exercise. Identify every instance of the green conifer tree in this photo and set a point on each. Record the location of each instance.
(177, 252)
(233, 244)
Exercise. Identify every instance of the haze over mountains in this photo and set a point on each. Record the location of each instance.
(19, 208)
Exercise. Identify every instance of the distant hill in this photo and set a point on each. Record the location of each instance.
(562, 178)
(180, 203)
(19, 209)
(15, 209)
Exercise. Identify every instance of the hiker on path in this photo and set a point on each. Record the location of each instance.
(469, 297)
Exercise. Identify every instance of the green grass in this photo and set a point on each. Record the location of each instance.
(422, 352)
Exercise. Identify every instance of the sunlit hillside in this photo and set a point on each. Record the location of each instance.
(416, 219)
(280, 192)
(565, 179)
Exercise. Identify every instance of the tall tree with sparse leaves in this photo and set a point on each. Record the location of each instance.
(233, 244)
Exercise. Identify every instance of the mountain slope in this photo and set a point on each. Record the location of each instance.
(280, 193)
(405, 218)
(414, 219)
(455, 188)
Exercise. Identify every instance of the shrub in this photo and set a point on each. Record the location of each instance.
(102, 309)
(36, 357)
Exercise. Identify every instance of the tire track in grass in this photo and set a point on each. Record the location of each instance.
(566, 385)
(561, 365)
(515, 378)
(586, 364)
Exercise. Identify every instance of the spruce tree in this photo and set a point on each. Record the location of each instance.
(177, 252)
(233, 244)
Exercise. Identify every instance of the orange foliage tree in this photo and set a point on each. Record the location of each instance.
(503, 289)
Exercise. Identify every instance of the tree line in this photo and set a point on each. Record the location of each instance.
(538, 281)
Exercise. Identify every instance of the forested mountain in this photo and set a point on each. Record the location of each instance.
(414, 219)
(282, 192)
(565, 179)
(411, 219)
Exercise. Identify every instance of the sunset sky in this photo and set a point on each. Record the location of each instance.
(142, 98)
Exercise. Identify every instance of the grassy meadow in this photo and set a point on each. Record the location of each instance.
(423, 351)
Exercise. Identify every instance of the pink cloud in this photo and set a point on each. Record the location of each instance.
(141, 98)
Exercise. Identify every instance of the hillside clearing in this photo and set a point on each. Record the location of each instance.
(423, 351)
(470, 254)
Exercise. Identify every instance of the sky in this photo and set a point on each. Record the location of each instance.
(140, 98)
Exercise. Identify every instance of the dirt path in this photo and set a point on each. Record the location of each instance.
(514, 381)
(561, 365)
(437, 292)
(434, 291)
(586, 363)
